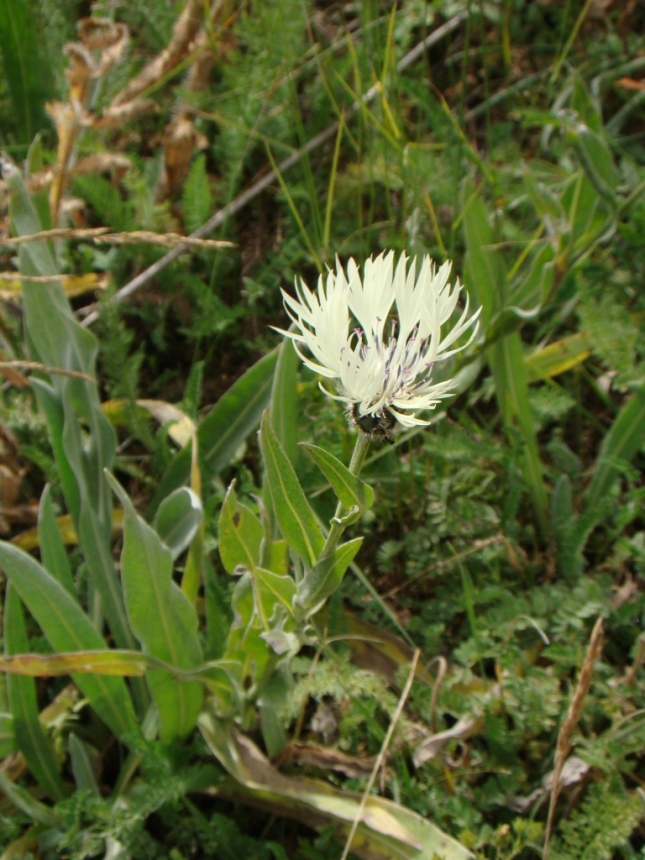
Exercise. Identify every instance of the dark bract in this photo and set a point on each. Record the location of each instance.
(378, 426)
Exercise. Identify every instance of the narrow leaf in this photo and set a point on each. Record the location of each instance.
(162, 619)
(112, 662)
(385, 829)
(29, 733)
(68, 628)
(27, 76)
(236, 414)
(240, 534)
(8, 743)
(284, 405)
(82, 763)
(52, 548)
(557, 357)
(325, 578)
(27, 803)
(295, 517)
(620, 445)
(350, 489)
(177, 519)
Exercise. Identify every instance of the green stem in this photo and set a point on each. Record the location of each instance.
(322, 580)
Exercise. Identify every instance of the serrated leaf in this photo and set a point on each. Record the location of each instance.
(196, 198)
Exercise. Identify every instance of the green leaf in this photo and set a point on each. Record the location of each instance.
(196, 197)
(84, 443)
(235, 415)
(240, 534)
(28, 77)
(50, 542)
(23, 700)
(68, 628)
(295, 517)
(83, 766)
(623, 441)
(245, 643)
(557, 357)
(7, 736)
(162, 619)
(274, 589)
(325, 578)
(597, 161)
(485, 274)
(284, 400)
(385, 829)
(348, 487)
(177, 520)
(33, 809)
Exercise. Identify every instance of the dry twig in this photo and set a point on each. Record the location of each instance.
(563, 746)
(250, 193)
(382, 753)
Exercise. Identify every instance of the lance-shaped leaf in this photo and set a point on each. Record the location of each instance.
(27, 803)
(348, 487)
(240, 534)
(52, 548)
(177, 519)
(295, 517)
(83, 441)
(23, 700)
(620, 445)
(235, 415)
(323, 579)
(67, 628)
(7, 736)
(273, 588)
(112, 662)
(162, 619)
(385, 829)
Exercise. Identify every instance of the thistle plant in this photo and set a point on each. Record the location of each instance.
(285, 564)
(382, 380)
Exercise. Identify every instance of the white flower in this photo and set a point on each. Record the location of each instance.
(379, 337)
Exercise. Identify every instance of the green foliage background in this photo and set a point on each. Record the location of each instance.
(513, 145)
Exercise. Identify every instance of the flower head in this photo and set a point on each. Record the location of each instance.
(378, 337)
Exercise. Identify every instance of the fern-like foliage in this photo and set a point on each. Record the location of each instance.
(196, 198)
(604, 822)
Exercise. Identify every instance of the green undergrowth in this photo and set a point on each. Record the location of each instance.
(514, 146)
